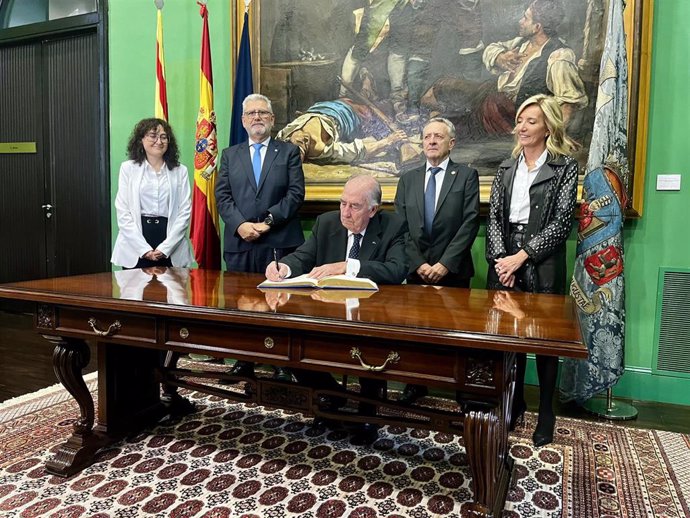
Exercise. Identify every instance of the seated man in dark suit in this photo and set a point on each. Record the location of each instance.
(358, 241)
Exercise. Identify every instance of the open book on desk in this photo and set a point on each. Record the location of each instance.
(342, 282)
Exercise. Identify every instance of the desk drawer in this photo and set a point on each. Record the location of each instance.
(228, 340)
(418, 362)
(107, 325)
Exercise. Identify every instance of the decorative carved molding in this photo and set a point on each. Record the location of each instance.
(480, 372)
(45, 316)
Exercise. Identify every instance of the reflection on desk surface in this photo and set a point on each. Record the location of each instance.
(453, 310)
(155, 283)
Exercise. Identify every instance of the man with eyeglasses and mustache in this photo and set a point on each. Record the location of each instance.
(259, 190)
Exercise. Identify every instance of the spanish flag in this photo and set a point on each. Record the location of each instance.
(161, 108)
(205, 230)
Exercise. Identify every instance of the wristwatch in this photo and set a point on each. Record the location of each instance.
(269, 220)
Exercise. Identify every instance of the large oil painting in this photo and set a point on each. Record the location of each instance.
(353, 81)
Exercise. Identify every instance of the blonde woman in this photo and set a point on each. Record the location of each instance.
(530, 217)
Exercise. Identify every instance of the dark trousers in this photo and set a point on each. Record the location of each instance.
(547, 366)
(371, 388)
(254, 260)
(155, 231)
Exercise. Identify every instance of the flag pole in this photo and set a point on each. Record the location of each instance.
(161, 95)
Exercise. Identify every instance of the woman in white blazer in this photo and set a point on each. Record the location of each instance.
(153, 201)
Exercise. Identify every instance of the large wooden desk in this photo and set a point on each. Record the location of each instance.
(447, 338)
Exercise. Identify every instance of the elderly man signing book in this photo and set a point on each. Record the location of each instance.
(358, 242)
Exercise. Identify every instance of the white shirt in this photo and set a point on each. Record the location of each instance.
(154, 194)
(519, 200)
(439, 178)
(130, 244)
(262, 149)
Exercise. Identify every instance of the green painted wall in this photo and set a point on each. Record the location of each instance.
(132, 42)
(657, 240)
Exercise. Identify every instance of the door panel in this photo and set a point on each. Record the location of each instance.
(51, 96)
(22, 220)
(81, 220)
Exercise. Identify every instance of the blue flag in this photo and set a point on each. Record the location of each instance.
(244, 85)
(598, 282)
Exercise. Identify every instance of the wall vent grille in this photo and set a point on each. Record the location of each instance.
(673, 323)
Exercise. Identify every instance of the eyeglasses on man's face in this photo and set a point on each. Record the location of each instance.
(155, 137)
(264, 114)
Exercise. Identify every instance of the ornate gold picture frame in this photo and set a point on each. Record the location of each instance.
(308, 58)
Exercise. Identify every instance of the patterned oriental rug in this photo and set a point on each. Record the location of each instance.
(235, 460)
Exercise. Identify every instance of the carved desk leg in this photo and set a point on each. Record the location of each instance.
(69, 359)
(486, 442)
(486, 439)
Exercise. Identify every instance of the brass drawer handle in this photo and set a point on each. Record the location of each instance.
(393, 357)
(268, 342)
(184, 333)
(112, 329)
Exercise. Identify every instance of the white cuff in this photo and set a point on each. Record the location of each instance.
(352, 267)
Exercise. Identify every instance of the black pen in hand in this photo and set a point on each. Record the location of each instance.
(275, 258)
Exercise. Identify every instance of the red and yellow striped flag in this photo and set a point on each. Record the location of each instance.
(205, 233)
(161, 107)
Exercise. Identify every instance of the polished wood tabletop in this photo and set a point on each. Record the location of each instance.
(513, 321)
(459, 339)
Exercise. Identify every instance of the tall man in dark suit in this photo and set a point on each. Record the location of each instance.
(440, 202)
(358, 241)
(258, 193)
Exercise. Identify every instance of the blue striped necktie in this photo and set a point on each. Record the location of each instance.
(430, 200)
(256, 162)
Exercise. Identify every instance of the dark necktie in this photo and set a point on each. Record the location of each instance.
(354, 251)
(256, 162)
(430, 200)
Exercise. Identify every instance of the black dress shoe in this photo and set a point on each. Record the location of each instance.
(367, 433)
(517, 414)
(543, 434)
(282, 374)
(323, 423)
(241, 369)
(412, 393)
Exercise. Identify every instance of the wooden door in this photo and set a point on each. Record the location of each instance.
(22, 219)
(55, 218)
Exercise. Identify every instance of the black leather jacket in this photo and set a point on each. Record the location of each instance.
(552, 203)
